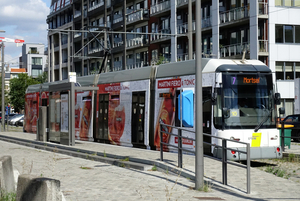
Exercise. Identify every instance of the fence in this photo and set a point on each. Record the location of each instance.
(163, 129)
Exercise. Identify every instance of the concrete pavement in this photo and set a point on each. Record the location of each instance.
(83, 179)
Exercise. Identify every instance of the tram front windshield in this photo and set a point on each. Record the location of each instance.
(246, 102)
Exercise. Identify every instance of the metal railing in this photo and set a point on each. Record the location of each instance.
(235, 49)
(165, 5)
(234, 14)
(223, 147)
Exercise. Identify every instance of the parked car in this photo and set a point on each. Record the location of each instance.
(19, 122)
(15, 118)
(11, 115)
(294, 120)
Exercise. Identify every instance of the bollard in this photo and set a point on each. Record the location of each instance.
(7, 182)
(32, 188)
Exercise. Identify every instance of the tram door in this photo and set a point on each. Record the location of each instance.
(103, 118)
(138, 118)
(207, 113)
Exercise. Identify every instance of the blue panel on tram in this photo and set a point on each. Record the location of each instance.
(187, 108)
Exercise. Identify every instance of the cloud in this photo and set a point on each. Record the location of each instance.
(23, 19)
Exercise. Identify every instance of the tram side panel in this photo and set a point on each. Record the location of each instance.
(122, 113)
(31, 112)
(166, 111)
(168, 106)
(83, 116)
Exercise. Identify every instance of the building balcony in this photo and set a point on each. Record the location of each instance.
(117, 18)
(263, 47)
(95, 6)
(78, 34)
(132, 65)
(137, 42)
(77, 14)
(117, 66)
(263, 9)
(183, 2)
(183, 28)
(95, 50)
(234, 15)
(233, 50)
(137, 16)
(185, 57)
(161, 35)
(160, 7)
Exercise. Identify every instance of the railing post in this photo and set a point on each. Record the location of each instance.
(282, 136)
(161, 145)
(179, 148)
(224, 161)
(248, 168)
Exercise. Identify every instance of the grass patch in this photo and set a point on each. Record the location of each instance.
(154, 168)
(125, 159)
(85, 168)
(278, 172)
(5, 196)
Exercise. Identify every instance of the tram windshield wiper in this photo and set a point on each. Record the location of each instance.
(265, 118)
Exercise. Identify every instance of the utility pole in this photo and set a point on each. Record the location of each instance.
(199, 171)
(3, 85)
(3, 39)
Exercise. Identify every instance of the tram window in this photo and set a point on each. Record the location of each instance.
(114, 97)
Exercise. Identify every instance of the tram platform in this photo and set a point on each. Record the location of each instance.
(263, 185)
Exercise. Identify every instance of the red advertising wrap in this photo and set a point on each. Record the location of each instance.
(83, 115)
(31, 112)
(116, 112)
(166, 115)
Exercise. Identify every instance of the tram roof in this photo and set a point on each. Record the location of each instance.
(89, 80)
(127, 75)
(33, 88)
(210, 66)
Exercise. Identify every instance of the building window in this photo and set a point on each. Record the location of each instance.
(287, 3)
(36, 72)
(37, 61)
(287, 70)
(287, 33)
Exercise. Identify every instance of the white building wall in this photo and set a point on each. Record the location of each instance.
(283, 52)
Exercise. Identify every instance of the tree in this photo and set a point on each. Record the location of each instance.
(18, 88)
(42, 78)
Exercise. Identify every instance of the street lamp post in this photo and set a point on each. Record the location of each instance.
(3, 83)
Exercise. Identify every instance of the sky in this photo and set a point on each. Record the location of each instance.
(23, 19)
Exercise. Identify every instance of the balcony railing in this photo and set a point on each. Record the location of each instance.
(118, 42)
(137, 15)
(161, 34)
(93, 7)
(263, 8)
(234, 14)
(132, 65)
(117, 18)
(95, 49)
(78, 34)
(137, 41)
(117, 65)
(160, 7)
(235, 49)
(263, 46)
(183, 28)
(77, 14)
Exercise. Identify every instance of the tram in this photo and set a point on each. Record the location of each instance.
(239, 103)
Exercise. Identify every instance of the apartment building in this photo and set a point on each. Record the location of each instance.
(139, 33)
(33, 59)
